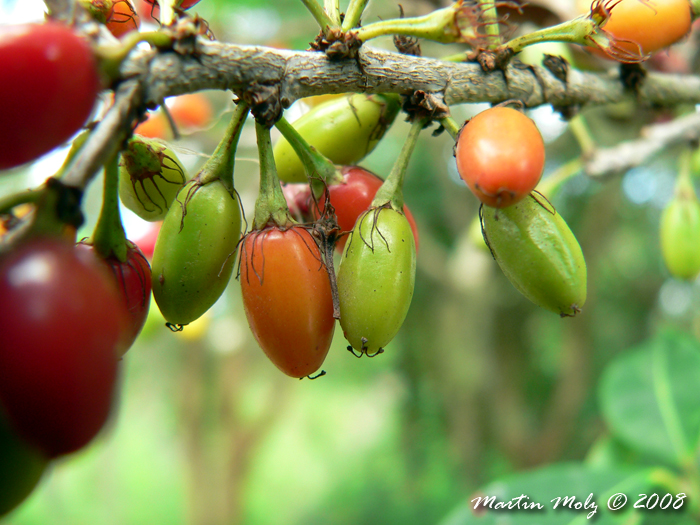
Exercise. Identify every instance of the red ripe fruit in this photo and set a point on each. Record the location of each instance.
(133, 280)
(500, 155)
(50, 83)
(352, 197)
(62, 323)
(287, 298)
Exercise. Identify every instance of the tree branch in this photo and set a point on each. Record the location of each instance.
(155, 75)
(216, 65)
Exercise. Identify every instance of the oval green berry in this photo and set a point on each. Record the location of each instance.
(345, 130)
(538, 254)
(680, 235)
(194, 255)
(376, 279)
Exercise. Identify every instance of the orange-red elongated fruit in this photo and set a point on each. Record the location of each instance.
(287, 298)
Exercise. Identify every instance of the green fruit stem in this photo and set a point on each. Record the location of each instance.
(319, 14)
(16, 199)
(110, 57)
(450, 126)
(582, 30)
(353, 14)
(75, 147)
(550, 186)
(221, 164)
(440, 26)
(271, 206)
(392, 189)
(489, 18)
(582, 134)
(109, 238)
(332, 7)
(317, 166)
(695, 8)
(684, 188)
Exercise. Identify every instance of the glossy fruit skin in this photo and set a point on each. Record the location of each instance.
(287, 298)
(538, 254)
(118, 15)
(154, 127)
(345, 130)
(150, 177)
(353, 197)
(680, 236)
(653, 25)
(299, 200)
(62, 324)
(194, 256)
(54, 87)
(500, 155)
(191, 112)
(21, 467)
(376, 279)
(133, 280)
(122, 18)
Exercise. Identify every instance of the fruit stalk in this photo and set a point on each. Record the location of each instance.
(392, 189)
(489, 19)
(319, 14)
(271, 206)
(109, 238)
(221, 164)
(316, 165)
(353, 14)
(450, 126)
(439, 26)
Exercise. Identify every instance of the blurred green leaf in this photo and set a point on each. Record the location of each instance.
(649, 397)
(545, 485)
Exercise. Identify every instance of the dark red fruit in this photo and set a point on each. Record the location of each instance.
(61, 326)
(133, 280)
(50, 83)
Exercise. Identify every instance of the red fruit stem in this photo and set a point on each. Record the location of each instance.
(392, 189)
(319, 169)
(109, 238)
(221, 164)
(271, 206)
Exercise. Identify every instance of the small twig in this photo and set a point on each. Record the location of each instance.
(107, 138)
(606, 162)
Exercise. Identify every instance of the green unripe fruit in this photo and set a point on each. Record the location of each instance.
(150, 177)
(680, 235)
(376, 279)
(21, 468)
(538, 254)
(345, 130)
(195, 252)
